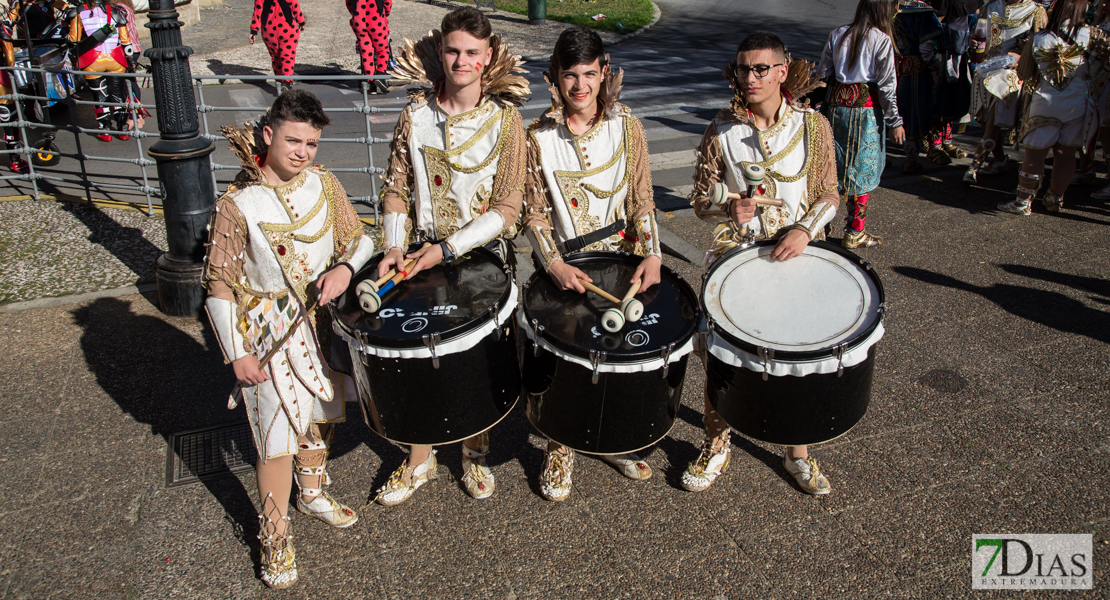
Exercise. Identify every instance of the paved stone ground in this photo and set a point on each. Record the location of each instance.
(60, 248)
(988, 414)
(327, 43)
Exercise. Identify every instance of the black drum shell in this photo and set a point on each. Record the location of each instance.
(412, 402)
(790, 411)
(622, 412)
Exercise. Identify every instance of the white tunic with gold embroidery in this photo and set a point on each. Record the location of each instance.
(788, 151)
(268, 243)
(455, 159)
(592, 181)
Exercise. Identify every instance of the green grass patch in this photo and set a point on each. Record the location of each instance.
(621, 16)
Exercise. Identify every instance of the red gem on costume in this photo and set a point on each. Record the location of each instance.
(438, 180)
(622, 234)
(760, 190)
(348, 511)
(647, 236)
(574, 203)
(481, 486)
(281, 250)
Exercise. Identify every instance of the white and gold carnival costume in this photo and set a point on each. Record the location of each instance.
(796, 153)
(579, 184)
(267, 245)
(1063, 86)
(1011, 26)
(460, 177)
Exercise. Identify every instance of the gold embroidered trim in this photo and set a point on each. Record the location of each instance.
(483, 108)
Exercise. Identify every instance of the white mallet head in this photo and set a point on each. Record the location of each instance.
(612, 320)
(367, 294)
(754, 175)
(633, 309)
(718, 193)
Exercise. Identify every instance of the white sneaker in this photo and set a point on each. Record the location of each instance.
(806, 473)
(1103, 194)
(1017, 207)
(555, 480)
(629, 465)
(703, 471)
(405, 480)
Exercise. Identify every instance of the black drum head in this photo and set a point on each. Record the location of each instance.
(572, 321)
(450, 300)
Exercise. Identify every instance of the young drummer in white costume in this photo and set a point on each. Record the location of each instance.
(282, 234)
(996, 93)
(1064, 69)
(455, 178)
(765, 126)
(589, 184)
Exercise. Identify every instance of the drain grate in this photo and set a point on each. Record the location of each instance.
(199, 454)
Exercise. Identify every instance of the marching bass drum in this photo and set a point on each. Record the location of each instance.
(599, 392)
(437, 362)
(790, 352)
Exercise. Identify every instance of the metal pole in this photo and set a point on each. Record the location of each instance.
(183, 166)
(537, 12)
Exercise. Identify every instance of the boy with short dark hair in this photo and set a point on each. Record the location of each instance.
(284, 240)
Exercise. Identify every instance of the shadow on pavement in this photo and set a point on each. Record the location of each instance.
(1051, 309)
(127, 244)
(166, 379)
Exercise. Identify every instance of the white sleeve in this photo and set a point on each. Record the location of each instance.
(487, 226)
(222, 314)
(360, 251)
(393, 226)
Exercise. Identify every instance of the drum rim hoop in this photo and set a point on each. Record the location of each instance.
(569, 348)
(446, 335)
(785, 355)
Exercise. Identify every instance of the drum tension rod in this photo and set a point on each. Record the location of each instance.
(839, 360)
(596, 358)
(493, 317)
(537, 329)
(430, 340)
(767, 354)
(666, 354)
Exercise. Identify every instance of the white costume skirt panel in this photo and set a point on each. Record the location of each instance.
(1071, 133)
(274, 434)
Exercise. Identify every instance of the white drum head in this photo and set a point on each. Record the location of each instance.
(812, 302)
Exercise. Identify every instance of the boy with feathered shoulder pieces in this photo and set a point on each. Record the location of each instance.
(284, 240)
(793, 144)
(455, 179)
(588, 188)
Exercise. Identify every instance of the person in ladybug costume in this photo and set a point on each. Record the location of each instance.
(280, 22)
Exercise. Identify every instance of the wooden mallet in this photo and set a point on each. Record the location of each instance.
(632, 308)
(753, 178)
(369, 292)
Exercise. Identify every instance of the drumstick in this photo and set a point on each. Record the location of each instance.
(600, 292)
(632, 308)
(393, 271)
(369, 293)
(719, 194)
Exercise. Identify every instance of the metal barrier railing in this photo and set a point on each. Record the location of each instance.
(149, 185)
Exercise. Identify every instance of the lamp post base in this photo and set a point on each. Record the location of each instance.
(180, 287)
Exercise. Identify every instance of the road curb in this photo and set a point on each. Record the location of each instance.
(77, 298)
(654, 19)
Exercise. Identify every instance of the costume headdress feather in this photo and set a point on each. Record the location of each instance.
(800, 80)
(418, 64)
(247, 144)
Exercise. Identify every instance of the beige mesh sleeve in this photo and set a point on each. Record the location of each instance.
(709, 168)
(508, 183)
(537, 206)
(640, 205)
(227, 238)
(352, 245)
(398, 177)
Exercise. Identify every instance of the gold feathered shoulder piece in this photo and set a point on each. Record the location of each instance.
(246, 142)
(609, 95)
(419, 65)
(800, 80)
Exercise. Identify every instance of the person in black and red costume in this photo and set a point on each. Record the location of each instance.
(103, 45)
(370, 22)
(7, 108)
(281, 23)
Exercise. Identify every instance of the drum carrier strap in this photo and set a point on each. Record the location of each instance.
(580, 242)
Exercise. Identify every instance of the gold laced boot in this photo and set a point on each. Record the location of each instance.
(558, 470)
(714, 459)
(311, 462)
(859, 239)
(477, 477)
(279, 559)
(1022, 204)
(406, 480)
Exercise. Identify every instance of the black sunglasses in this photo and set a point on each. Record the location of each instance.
(759, 70)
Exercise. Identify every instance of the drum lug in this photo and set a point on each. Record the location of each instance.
(537, 329)
(882, 308)
(839, 360)
(596, 358)
(666, 355)
(430, 340)
(767, 354)
(866, 264)
(493, 317)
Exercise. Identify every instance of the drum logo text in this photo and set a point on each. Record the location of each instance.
(436, 311)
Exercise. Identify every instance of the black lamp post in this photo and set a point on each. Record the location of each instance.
(537, 12)
(183, 168)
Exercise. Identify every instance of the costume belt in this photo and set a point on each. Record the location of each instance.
(852, 95)
(580, 242)
(908, 65)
